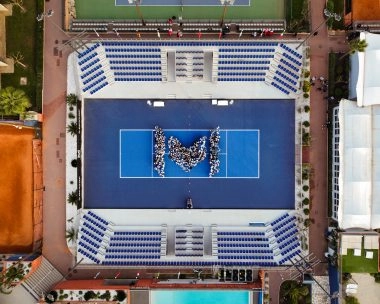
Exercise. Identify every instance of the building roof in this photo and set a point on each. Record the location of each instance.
(368, 85)
(359, 178)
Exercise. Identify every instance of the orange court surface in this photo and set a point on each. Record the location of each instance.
(365, 9)
(16, 191)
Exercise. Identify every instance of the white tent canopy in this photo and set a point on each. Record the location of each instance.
(368, 85)
(359, 172)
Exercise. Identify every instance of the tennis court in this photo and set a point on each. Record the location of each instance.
(262, 149)
(16, 193)
(180, 2)
(236, 160)
(105, 9)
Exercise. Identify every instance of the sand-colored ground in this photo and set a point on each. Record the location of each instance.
(368, 289)
(365, 10)
(16, 191)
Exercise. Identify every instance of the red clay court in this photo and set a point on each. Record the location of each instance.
(16, 192)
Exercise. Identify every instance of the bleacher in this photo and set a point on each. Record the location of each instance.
(93, 69)
(102, 242)
(189, 241)
(285, 233)
(274, 63)
(92, 236)
(245, 62)
(285, 70)
(189, 64)
(242, 247)
(131, 62)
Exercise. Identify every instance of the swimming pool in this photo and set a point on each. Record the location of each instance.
(200, 297)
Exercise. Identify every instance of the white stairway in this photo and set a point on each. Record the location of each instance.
(42, 280)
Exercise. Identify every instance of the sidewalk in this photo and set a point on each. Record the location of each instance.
(54, 133)
(320, 46)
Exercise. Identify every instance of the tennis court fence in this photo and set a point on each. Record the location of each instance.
(185, 25)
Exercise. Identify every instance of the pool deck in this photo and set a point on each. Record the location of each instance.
(193, 284)
(156, 284)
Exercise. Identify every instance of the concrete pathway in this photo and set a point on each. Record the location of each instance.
(320, 46)
(54, 132)
(368, 289)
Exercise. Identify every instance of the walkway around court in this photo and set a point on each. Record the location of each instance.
(320, 46)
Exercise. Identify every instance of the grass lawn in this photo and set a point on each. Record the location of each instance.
(336, 6)
(295, 11)
(105, 9)
(359, 264)
(25, 35)
(339, 70)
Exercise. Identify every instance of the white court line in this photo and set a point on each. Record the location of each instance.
(258, 153)
(190, 130)
(180, 4)
(198, 177)
(226, 154)
(152, 155)
(120, 154)
(167, 153)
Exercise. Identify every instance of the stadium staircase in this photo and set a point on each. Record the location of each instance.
(215, 60)
(189, 241)
(164, 65)
(42, 280)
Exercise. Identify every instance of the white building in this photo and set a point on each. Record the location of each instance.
(356, 146)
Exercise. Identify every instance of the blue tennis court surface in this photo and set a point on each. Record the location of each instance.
(237, 160)
(180, 3)
(257, 160)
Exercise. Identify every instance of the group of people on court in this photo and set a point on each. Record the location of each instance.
(187, 158)
(214, 152)
(159, 151)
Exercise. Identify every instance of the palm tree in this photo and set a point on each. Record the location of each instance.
(71, 234)
(18, 59)
(356, 45)
(18, 3)
(293, 292)
(73, 128)
(72, 100)
(73, 198)
(13, 101)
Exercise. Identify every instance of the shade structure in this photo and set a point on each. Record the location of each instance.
(359, 170)
(368, 85)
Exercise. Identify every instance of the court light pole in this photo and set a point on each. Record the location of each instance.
(47, 15)
(137, 4)
(225, 3)
(328, 16)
